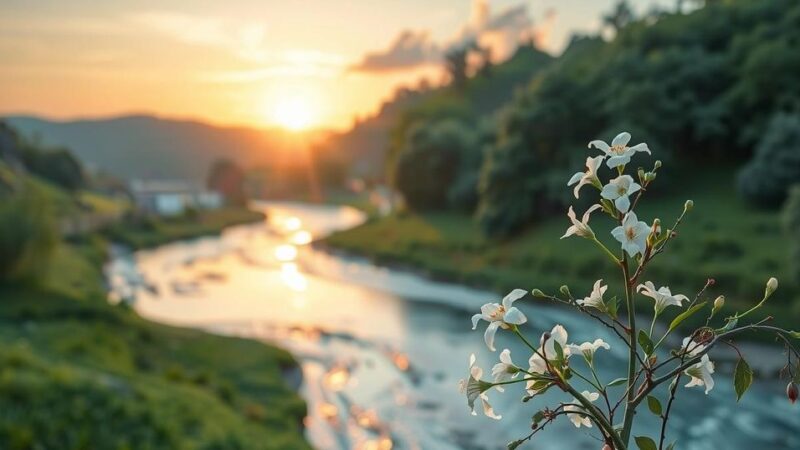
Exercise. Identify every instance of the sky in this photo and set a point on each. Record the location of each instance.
(291, 63)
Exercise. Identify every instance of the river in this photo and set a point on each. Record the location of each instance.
(382, 350)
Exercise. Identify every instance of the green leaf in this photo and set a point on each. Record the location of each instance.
(645, 443)
(685, 315)
(612, 306)
(538, 417)
(795, 334)
(618, 381)
(645, 342)
(654, 405)
(742, 378)
(559, 351)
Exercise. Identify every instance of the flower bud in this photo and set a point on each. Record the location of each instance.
(537, 293)
(772, 285)
(791, 392)
(719, 302)
(606, 447)
(640, 173)
(688, 205)
(649, 176)
(657, 165)
(565, 290)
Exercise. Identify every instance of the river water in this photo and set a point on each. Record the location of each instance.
(382, 350)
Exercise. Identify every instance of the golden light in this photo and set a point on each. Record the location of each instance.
(295, 113)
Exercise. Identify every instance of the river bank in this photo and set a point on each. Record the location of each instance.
(77, 371)
(451, 247)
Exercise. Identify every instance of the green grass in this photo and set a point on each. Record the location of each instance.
(153, 231)
(721, 238)
(78, 373)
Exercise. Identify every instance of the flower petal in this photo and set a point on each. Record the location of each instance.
(600, 145)
(475, 320)
(515, 316)
(488, 336)
(622, 139)
(575, 178)
(513, 296)
(623, 203)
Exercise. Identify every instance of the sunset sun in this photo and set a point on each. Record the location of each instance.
(293, 113)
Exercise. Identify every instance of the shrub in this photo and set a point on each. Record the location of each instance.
(28, 233)
(766, 179)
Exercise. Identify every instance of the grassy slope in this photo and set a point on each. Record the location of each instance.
(78, 373)
(721, 238)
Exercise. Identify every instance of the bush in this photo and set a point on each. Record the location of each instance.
(28, 233)
(791, 221)
(436, 159)
(766, 179)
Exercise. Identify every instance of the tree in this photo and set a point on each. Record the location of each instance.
(766, 179)
(619, 17)
(227, 178)
(791, 221)
(28, 234)
(432, 162)
(457, 65)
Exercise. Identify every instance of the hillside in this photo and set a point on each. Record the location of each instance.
(152, 147)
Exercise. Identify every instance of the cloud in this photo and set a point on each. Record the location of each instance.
(501, 33)
(246, 40)
(409, 49)
(287, 64)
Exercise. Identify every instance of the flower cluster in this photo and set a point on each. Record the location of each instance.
(551, 363)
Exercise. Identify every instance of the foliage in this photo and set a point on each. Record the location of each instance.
(702, 84)
(227, 178)
(766, 179)
(149, 231)
(791, 220)
(55, 165)
(76, 373)
(437, 157)
(554, 362)
(28, 232)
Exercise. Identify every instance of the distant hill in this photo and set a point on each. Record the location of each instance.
(143, 146)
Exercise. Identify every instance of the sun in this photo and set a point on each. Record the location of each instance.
(295, 113)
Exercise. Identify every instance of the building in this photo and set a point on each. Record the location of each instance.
(173, 197)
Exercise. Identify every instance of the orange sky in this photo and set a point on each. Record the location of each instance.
(299, 64)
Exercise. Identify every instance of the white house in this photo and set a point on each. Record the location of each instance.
(173, 197)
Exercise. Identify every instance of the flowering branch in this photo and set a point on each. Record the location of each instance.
(549, 364)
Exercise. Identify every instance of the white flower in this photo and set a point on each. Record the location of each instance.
(618, 190)
(474, 388)
(619, 153)
(595, 299)
(576, 415)
(548, 350)
(500, 315)
(588, 177)
(701, 374)
(581, 228)
(662, 296)
(691, 347)
(632, 234)
(588, 348)
(505, 370)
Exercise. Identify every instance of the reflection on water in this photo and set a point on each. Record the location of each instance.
(381, 351)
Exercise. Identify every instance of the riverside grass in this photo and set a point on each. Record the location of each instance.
(76, 372)
(450, 246)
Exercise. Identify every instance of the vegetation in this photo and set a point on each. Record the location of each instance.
(149, 231)
(76, 372)
(448, 245)
(766, 179)
(730, 68)
(791, 221)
